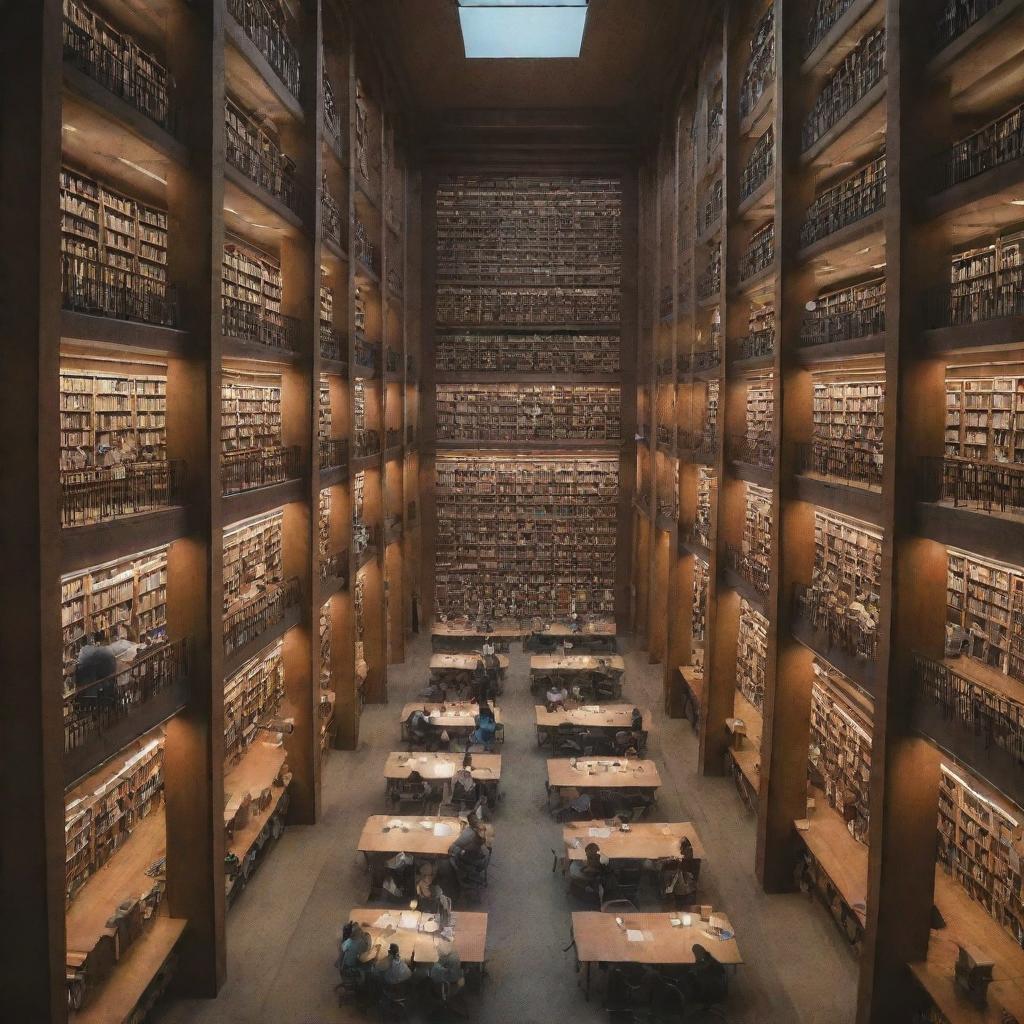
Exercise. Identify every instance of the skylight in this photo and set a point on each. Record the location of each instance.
(522, 28)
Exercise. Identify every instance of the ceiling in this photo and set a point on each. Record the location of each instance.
(631, 52)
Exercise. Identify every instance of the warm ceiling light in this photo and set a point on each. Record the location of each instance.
(1017, 202)
(532, 29)
(867, 248)
(142, 170)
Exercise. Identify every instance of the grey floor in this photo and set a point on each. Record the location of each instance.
(283, 929)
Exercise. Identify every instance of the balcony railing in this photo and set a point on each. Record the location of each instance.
(270, 169)
(710, 281)
(697, 532)
(839, 460)
(668, 511)
(702, 359)
(333, 222)
(97, 709)
(248, 322)
(367, 443)
(697, 446)
(750, 570)
(754, 451)
(984, 486)
(366, 251)
(91, 287)
(999, 142)
(666, 435)
(258, 615)
(760, 252)
(853, 199)
(392, 437)
(825, 328)
(992, 297)
(759, 165)
(825, 613)
(958, 16)
(367, 354)
(335, 567)
(103, 493)
(259, 467)
(260, 24)
(333, 452)
(756, 345)
(333, 345)
(826, 13)
(125, 79)
(364, 537)
(392, 360)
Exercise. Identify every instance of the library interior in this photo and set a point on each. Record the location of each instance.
(424, 407)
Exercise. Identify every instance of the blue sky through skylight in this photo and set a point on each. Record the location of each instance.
(522, 28)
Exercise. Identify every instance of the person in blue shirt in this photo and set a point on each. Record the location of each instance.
(486, 727)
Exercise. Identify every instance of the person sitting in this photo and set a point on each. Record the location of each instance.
(706, 982)
(435, 691)
(487, 650)
(447, 972)
(625, 743)
(677, 883)
(636, 720)
(428, 892)
(469, 853)
(685, 848)
(96, 664)
(414, 789)
(354, 950)
(420, 728)
(464, 789)
(393, 970)
(587, 877)
(555, 698)
(486, 728)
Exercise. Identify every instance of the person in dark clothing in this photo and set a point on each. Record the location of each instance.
(96, 675)
(706, 981)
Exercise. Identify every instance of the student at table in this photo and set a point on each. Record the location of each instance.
(626, 743)
(393, 970)
(587, 877)
(556, 696)
(487, 650)
(420, 728)
(706, 981)
(486, 728)
(447, 971)
(469, 853)
(428, 892)
(464, 788)
(354, 949)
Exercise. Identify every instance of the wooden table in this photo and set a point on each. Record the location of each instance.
(465, 663)
(458, 636)
(589, 776)
(578, 670)
(469, 939)
(693, 682)
(968, 923)
(594, 718)
(411, 837)
(600, 636)
(458, 717)
(643, 841)
(442, 766)
(599, 939)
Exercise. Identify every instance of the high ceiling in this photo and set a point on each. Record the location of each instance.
(631, 50)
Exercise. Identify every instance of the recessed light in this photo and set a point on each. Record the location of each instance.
(877, 266)
(229, 209)
(860, 252)
(70, 128)
(1017, 202)
(142, 170)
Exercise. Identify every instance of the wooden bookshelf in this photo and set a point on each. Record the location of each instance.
(759, 72)
(985, 419)
(253, 559)
(840, 747)
(855, 311)
(251, 697)
(563, 353)
(125, 599)
(751, 654)
(756, 544)
(250, 412)
(520, 536)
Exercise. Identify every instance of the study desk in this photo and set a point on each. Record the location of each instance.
(458, 636)
(440, 767)
(593, 774)
(693, 698)
(593, 636)
(968, 923)
(402, 927)
(590, 717)
(458, 716)
(649, 939)
(644, 840)
(462, 663)
(409, 835)
(579, 670)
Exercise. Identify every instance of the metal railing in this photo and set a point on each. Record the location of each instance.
(852, 199)
(367, 442)
(335, 567)
(259, 23)
(825, 14)
(95, 709)
(666, 435)
(697, 446)
(822, 609)
(260, 467)
(664, 367)
(983, 712)
(999, 142)
(271, 170)
(971, 302)
(840, 460)
(102, 493)
(91, 287)
(333, 222)
(248, 322)
(261, 613)
(760, 252)
(697, 532)
(367, 354)
(702, 359)
(823, 329)
(958, 16)
(126, 80)
(392, 437)
(392, 360)
(756, 345)
(333, 452)
(984, 486)
(333, 345)
(668, 510)
(750, 570)
(759, 165)
(710, 281)
(755, 451)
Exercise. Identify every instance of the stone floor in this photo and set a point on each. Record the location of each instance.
(282, 931)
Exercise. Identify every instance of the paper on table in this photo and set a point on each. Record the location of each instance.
(634, 935)
(599, 833)
(408, 920)
(384, 921)
(442, 829)
(591, 707)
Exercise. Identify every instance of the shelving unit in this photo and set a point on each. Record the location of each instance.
(250, 412)
(751, 654)
(253, 559)
(985, 419)
(251, 697)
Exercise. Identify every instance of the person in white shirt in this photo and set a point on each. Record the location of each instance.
(488, 648)
(556, 696)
